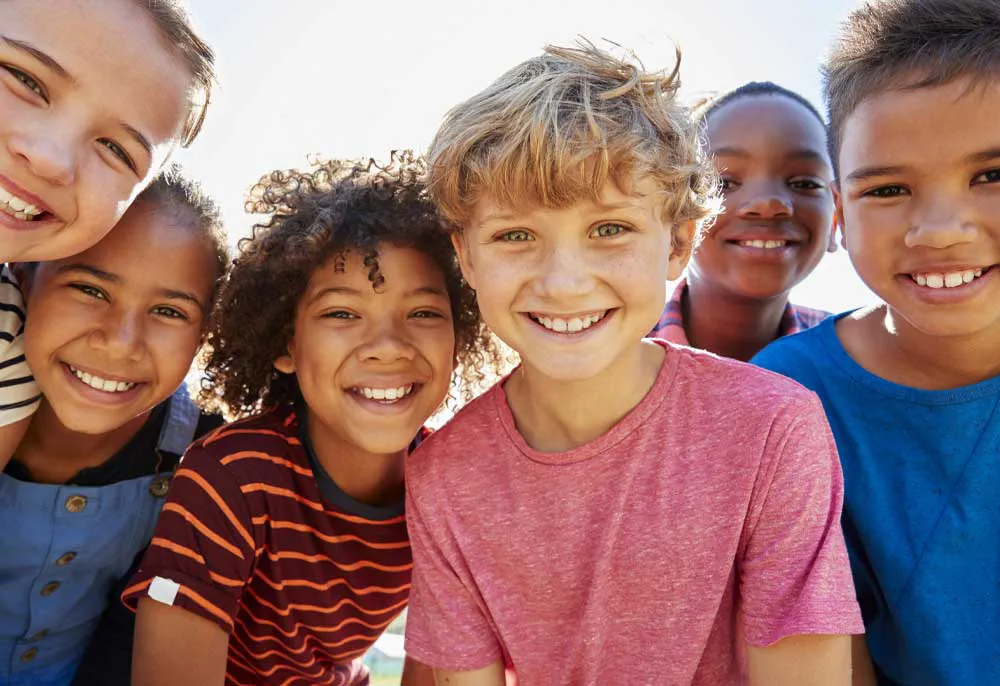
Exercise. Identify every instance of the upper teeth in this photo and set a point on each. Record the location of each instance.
(386, 393)
(102, 384)
(947, 279)
(763, 244)
(572, 325)
(16, 206)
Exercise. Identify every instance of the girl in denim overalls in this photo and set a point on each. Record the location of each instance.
(112, 335)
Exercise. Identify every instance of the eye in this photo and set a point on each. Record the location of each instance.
(428, 314)
(805, 185)
(170, 312)
(515, 236)
(90, 291)
(991, 176)
(609, 230)
(729, 184)
(28, 82)
(339, 314)
(118, 152)
(890, 191)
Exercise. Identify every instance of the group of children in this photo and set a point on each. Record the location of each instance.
(632, 503)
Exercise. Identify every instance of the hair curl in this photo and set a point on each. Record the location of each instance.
(318, 214)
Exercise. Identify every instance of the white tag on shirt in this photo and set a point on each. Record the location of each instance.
(163, 590)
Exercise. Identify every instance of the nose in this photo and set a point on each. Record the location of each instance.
(766, 203)
(387, 342)
(121, 335)
(565, 274)
(940, 223)
(47, 152)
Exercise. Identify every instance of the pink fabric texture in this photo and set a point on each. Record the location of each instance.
(709, 515)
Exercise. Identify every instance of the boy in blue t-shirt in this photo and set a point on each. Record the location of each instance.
(912, 386)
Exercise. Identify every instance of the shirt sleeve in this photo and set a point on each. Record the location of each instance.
(447, 625)
(795, 573)
(203, 551)
(19, 396)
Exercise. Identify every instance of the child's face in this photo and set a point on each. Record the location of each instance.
(91, 103)
(113, 330)
(920, 204)
(771, 154)
(373, 366)
(572, 290)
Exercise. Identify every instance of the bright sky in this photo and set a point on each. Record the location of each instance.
(350, 78)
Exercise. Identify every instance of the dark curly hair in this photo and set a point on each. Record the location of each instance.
(318, 214)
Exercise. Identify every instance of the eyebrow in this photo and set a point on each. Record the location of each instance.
(42, 57)
(865, 173)
(984, 156)
(354, 292)
(800, 154)
(169, 293)
(139, 138)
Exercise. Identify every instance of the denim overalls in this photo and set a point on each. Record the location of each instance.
(62, 548)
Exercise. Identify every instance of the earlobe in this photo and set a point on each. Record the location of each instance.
(458, 241)
(285, 364)
(838, 221)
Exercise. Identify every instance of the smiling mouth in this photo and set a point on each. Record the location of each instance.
(953, 279)
(101, 384)
(766, 245)
(20, 209)
(386, 396)
(568, 324)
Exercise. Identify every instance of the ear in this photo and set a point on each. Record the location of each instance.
(286, 363)
(681, 242)
(459, 241)
(838, 221)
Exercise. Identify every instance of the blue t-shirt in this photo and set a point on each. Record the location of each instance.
(921, 510)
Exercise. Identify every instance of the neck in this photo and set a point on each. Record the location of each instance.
(54, 453)
(371, 478)
(554, 415)
(730, 325)
(886, 345)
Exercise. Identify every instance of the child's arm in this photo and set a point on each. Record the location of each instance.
(802, 661)
(488, 676)
(10, 437)
(416, 673)
(174, 646)
(861, 660)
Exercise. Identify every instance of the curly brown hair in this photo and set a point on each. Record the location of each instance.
(315, 215)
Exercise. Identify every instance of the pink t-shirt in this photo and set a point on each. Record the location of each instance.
(709, 514)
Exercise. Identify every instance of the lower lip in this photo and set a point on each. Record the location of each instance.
(764, 253)
(948, 296)
(94, 395)
(383, 407)
(575, 335)
(11, 222)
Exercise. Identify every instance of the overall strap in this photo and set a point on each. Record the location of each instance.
(181, 424)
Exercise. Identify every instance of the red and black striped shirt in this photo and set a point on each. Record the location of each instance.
(257, 538)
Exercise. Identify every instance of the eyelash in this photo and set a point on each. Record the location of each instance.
(508, 236)
(884, 192)
(799, 185)
(119, 152)
(596, 232)
(990, 176)
(98, 294)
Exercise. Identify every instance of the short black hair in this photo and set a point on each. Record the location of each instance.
(754, 89)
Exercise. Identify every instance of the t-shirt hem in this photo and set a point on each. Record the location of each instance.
(453, 661)
(139, 588)
(841, 624)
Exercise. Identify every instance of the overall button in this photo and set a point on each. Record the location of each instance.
(76, 503)
(38, 636)
(50, 588)
(65, 559)
(159, 487)
(29, 654)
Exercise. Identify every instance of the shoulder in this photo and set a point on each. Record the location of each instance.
(800, 354)
(11, 308)
(473, 429)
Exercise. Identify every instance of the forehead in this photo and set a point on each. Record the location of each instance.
(768, 122)
(402, 268)
(928, 128)
(117, 55)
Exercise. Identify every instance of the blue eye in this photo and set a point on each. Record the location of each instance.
(609, 230)
(515, 236)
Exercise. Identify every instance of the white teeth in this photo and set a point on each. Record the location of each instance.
(947, 280)
(763, 244)
(106, 385)
(13, 205)
(389, 394)
(571, 325)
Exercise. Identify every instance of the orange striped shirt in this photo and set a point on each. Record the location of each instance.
(302, 577)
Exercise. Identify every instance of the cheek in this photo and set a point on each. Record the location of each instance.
(173, 353)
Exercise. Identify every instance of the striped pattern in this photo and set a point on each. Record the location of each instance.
(670, 327)
(303, 587)
(19, 396)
